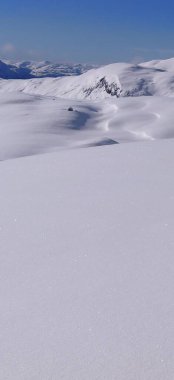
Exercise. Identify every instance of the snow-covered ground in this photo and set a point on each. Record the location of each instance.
(87, 264)
(86, 230)
(32, 124)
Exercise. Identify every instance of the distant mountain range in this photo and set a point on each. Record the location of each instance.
(31, 69)
(82, 82)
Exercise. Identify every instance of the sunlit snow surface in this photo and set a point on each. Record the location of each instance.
(87, 264)
(86, 237)
(32, 124)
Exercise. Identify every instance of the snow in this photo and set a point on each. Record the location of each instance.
(166, 64)
(87, 264)
(115, 80)
(86, 227)
(32, 124)
(32, 69)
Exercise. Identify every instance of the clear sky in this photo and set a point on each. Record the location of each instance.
(90, 31)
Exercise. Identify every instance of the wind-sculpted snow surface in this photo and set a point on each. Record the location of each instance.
(86, 235)
(37, 124)
(87, 264)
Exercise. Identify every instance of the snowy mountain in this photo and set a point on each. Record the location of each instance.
(31, 69)
(109, 105)
(86, 224)
(115, 80)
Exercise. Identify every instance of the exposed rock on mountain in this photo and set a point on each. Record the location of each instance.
(115, 80)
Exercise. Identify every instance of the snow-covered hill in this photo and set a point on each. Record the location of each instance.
(32, 124)
(115, 80)
(86, 225)
(31, 69)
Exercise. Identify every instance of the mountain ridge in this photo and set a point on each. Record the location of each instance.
(32, 69)
(114, 80)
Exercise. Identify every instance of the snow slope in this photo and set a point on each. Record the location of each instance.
(86, 235)
(115, 80)
(37, 124)
(87, 264)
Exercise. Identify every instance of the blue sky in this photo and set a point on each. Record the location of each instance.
(87, 31)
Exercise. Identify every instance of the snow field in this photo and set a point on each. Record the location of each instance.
(86, 272)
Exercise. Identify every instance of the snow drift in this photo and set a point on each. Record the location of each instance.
(32, 124)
